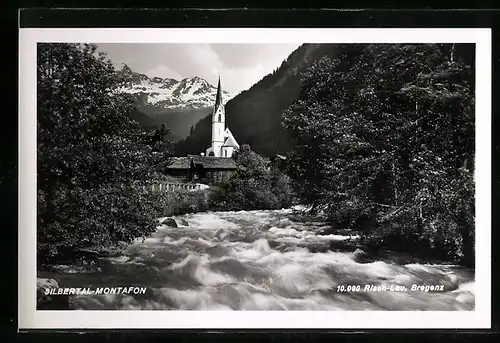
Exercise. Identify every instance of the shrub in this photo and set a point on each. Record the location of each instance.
(254, 186)
(97, 218)
(178, 203)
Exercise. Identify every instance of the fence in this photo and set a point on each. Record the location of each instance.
(175, 187)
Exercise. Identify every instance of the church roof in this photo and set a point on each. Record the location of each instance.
(230, 141)
(218, 98)
(211, 162)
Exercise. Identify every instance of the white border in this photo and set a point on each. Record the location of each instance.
(29, 317)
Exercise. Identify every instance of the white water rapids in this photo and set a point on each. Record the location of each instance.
(263, 260)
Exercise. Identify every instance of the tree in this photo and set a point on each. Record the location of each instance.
(254, 185)
(160, 141)
(384, 139)
(89, 152)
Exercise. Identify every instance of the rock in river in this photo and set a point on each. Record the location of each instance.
(169, 222)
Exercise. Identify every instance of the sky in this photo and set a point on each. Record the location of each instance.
(239, 65)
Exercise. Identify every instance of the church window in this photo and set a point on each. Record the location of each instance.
(225, 153)
(220, 117)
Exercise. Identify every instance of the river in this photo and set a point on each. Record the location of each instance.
(265, 260)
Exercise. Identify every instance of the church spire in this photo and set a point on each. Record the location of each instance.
(218, 99)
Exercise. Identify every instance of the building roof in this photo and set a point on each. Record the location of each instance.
(281, 157)
(211, 162)
(230, 141)
(218, 98)
(178, 163)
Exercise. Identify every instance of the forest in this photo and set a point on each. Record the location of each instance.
(384, 144)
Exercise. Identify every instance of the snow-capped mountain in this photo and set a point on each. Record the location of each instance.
(167, 93)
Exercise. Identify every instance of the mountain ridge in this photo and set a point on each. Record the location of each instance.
(168, 93)
(179, 104)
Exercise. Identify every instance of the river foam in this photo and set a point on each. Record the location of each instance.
(264, 260)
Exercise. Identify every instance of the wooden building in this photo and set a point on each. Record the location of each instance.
(201, 169)
(179, 168)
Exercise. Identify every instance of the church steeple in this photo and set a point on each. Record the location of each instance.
(218, 99)
(223, 142)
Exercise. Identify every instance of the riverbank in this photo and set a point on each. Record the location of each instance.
(87, 260)
(376, 245)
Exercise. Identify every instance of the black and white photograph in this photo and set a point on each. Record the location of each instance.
(292, 175)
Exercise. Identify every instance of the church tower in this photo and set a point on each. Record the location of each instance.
(218, 123)
(223, 143)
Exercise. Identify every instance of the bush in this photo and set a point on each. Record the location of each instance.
(94, 218)
(254, 186)
(179, 203)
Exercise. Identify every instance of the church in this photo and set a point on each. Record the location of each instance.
(223, 142)
(215, 165)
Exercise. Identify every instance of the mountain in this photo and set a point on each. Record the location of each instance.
(254, 116)
(169, 94)
(178, 104)
(179, 122)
